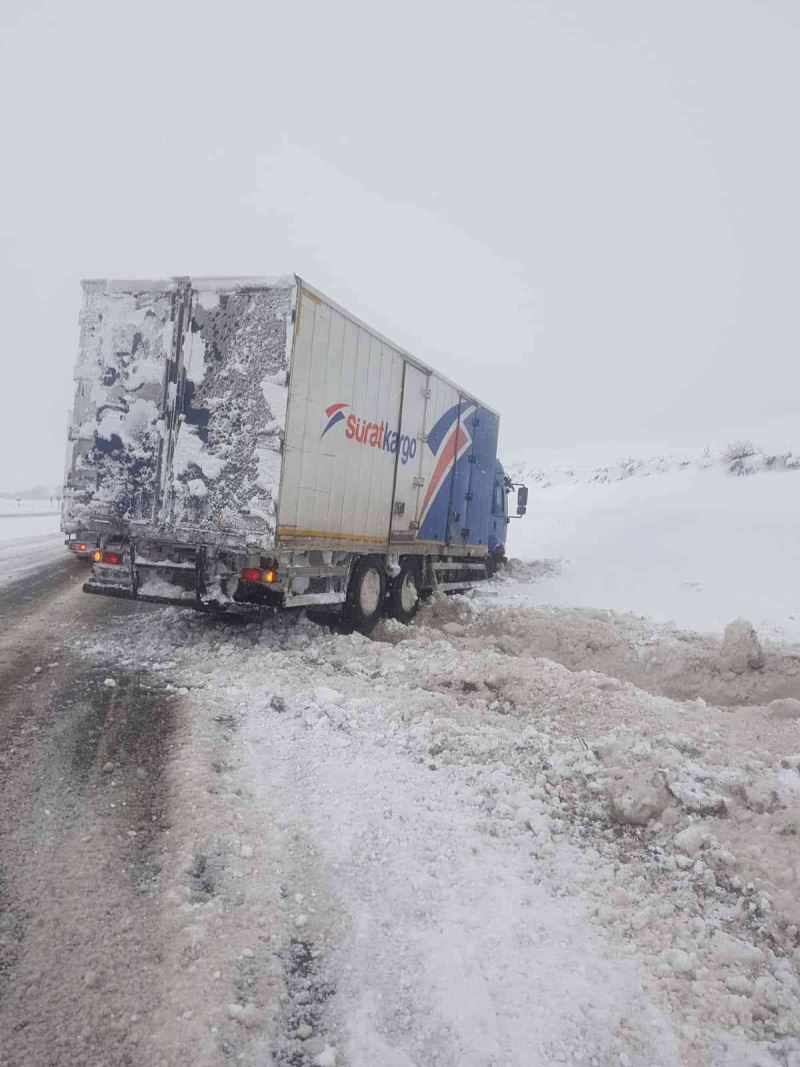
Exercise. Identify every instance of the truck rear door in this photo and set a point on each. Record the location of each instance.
(223, 463)
(180, 406)
(118, 422)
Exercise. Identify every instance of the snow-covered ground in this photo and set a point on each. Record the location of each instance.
(29, 538)
(553, 822)
(24, 506)
(695, 541)
(438, 847)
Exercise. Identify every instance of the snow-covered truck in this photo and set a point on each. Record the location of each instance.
(248, 442)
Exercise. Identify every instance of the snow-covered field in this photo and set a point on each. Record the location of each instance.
(29, 537)
(678, 539)
(25, 507)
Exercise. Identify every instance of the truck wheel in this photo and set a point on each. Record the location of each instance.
(404, 593)
(365, 594)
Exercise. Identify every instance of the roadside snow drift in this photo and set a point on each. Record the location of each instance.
(442, 846)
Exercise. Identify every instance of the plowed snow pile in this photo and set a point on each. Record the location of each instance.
(480, 856)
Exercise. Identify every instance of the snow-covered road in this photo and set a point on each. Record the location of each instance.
(80, 941)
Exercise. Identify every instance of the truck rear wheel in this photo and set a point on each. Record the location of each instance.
(365, 594)
(404, 593)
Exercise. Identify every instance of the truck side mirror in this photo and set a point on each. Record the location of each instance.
(522, 500)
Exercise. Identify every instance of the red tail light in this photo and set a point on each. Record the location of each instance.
(112, 559)
(251, 574)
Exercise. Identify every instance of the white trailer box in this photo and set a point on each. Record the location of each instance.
(252, 419)
(366, 449)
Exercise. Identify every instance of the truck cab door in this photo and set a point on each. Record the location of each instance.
(498, 522)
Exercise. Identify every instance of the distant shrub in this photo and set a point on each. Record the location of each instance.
(738, 450)
(782, 461)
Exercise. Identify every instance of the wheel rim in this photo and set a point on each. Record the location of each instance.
(369, 594)
(408, 593)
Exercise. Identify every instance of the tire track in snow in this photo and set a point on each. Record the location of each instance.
(80, 846)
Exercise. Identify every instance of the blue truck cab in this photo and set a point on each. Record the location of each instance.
(498, 524)
(499, 519)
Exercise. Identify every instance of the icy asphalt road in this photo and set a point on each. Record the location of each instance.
(79, 935)
(500, 838)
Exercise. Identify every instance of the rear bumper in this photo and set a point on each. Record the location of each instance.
(186, 576)
(126, 593)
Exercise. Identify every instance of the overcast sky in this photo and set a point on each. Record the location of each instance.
(586, 212)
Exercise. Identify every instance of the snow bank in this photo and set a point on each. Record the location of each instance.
(485, 856)
(738, 669)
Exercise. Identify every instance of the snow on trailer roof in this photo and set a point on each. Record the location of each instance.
(277, 281)
(147, 285)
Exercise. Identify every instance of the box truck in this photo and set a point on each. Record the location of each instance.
(248, 442)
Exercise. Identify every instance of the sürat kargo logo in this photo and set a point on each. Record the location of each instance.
(371, 434)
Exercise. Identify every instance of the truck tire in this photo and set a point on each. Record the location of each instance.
(404, 592)
(365, 594)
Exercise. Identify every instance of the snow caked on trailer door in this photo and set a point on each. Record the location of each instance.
(224, 453)
(117, 427)
(180, 407)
